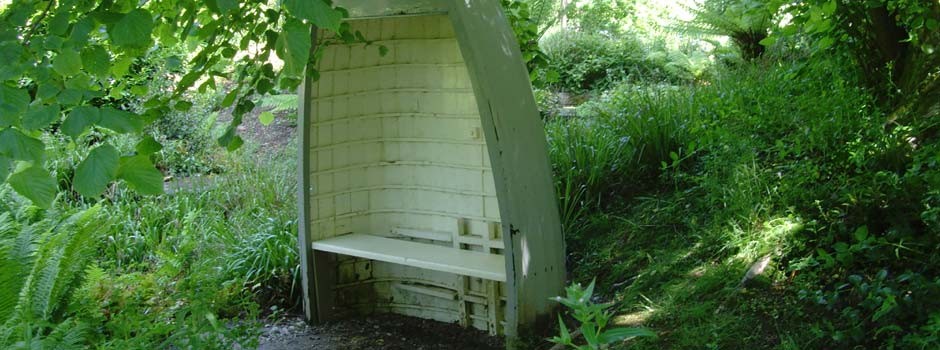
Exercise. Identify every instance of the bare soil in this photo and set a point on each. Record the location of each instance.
(381, 331)
(269, 138)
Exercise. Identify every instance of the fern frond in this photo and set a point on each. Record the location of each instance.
(280, 103)
(38, 296)
(59, 264)
(745, 22)
(7, 225)
(10, 284)
(76, 253)
(66, 335)
(710, 18)
(16, 257)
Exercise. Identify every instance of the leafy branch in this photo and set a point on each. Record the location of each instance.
(67, 62)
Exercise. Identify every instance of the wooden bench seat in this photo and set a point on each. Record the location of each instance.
(427, 256)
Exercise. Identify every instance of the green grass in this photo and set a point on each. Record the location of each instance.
(790, 161)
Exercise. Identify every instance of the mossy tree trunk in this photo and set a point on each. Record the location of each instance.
(897, 52)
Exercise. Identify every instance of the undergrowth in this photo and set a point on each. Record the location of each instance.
(192, 269)
(680, 190)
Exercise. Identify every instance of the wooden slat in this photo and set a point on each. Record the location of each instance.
(427, 256)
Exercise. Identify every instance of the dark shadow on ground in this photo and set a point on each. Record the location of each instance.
(381, 331)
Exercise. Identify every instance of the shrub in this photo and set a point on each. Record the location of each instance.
(188, 144)
(588, 61)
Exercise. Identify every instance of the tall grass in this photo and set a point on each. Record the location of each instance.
(618, 146)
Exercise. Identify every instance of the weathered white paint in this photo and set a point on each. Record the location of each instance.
(435, 147)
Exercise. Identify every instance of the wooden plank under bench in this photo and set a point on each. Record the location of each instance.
(427, 256)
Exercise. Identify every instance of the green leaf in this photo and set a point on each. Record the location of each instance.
(183, 106)
(619, 334)
(96, 61)
(52, 42)
(40, 116)
(230, 140)
(79, 120)
(78, 36)
(67, 63)
(97, 170)
(13, 103)
(768, 41)
(293, 46)
(59, 23)
(133, 30)
(235, 144)
(229, 98)
(36, 184)
(589, 332)
(825, 42)
(121, 66)
(11, 53)
(888, 305)
(226, 6)
(141, 175)
(932, 24)
(166, 34)
(70, 96)
(861, 234)
(383, 50)
(120, 121)
(318, 12)
(564, 336)
(244, 106)
(264, 85)
(5, 164)
(148, 146)
(829, 7)
(588, 292)
(16, 145)
(48, 91)
(140, 90)
(266, 118)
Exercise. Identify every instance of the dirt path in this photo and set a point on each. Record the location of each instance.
(382, 331)
(269, 138)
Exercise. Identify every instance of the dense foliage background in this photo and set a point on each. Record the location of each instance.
(731, 173)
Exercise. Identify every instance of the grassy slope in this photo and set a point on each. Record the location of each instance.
(678, 191)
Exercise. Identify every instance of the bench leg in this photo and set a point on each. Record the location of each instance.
(324, 265)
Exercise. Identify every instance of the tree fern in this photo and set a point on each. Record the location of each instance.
(745, 22)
